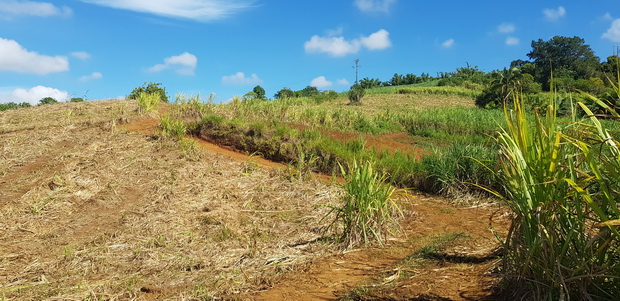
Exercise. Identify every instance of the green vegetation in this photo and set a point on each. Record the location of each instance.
(356, 94)
(172, 128)
(561, 183)
(150, 88)
(148, 102)
(13, 106)
(368, 205)
(47, 101)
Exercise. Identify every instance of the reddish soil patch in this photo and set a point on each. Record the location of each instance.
(384, 269)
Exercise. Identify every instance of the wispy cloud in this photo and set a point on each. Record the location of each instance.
(184, 64)
(239, 78)
(197, 10)
(506, 28)
(613, 33)
(338, 46)
(16, 8)
(448, 43)
(92, 76)
(343, 82)
(13, 57)
(554, 14)
(81, 55)
(512, 41)
(374, 6)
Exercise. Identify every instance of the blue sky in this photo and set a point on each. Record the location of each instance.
(104, 48)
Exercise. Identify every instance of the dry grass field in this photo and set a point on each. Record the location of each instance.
(93, 206)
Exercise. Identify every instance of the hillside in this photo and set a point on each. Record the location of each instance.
(96, 205)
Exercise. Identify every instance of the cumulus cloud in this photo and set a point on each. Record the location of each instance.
(512, 41)
(81, 55)
(239, 78)
(197, 10)
(94, 75)
(13, 57)
(338, 46)
(33, 8)
(372, 6)
(449, 43)
(33, 95)
(506, 28)
(613, 33)
(184, 64)
(321, 82)
(343, 82)
(554, 14)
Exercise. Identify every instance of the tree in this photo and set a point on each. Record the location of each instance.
(47, 100)
(77, 99)
(356, 93)
(149, 88)
(565, 57)
(309, 91)
(284, 93)
(260, 92)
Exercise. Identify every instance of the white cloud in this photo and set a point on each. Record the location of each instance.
(32, 8)
(554, 14)
(184, 64)
(506, 28)
(239, 78)
(448, 43)
(371, 6)
(197, 10)
(321, 82)
(339, 46)
(377, 41)
(81, 55)
(33, 95)
(13, 57)
(94, 75)
(613, 33)
(606, 17)
(343, 82)
(512, 41)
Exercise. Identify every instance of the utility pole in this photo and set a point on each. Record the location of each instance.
(357, 62)
(617, 50)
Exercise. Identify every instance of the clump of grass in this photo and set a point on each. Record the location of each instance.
(148, 102)
(561, 184)
(172, 128)
(368, 207)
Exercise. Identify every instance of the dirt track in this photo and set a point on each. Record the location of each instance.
(89, 209)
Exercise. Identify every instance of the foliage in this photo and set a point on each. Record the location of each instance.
(561, 184)
(285, 93)
(13, 106)
(150, 88)
(309, 91)
(356, 93)
(368, 205)
(566, 56)
(148, 102)
(77, 99)
(172, 128)
(504, 85)
(260, 92)
(47, 101)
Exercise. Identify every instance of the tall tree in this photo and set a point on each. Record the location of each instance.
(565, 57)
(260, 92)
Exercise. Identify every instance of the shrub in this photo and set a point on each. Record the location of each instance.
(356, 93)
(368, 205)
(77, 99)
(172, 128)
(150, 88)
(47, 101)
(148, 102)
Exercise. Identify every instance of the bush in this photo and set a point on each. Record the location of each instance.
(356, 93)
(148, 102)
(47, 101)
(150, 88)
(77, 99)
